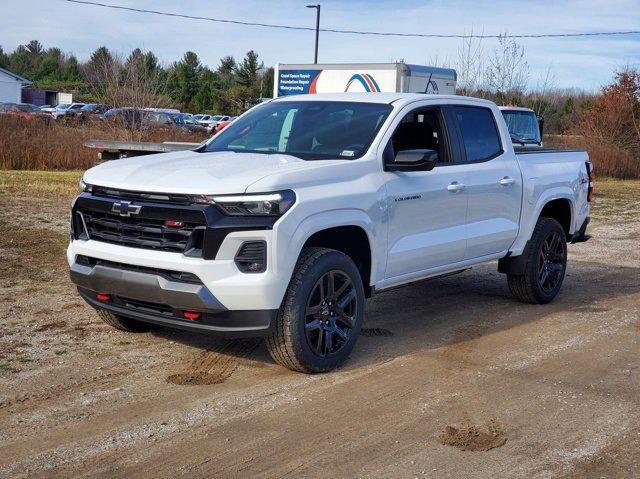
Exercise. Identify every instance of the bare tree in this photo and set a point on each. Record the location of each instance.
(543, 97)
(470, 65)
(134, 83)
(507, 71)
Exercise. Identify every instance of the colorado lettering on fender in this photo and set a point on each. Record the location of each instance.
(407, 198)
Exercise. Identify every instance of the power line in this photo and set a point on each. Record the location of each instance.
(352, 32)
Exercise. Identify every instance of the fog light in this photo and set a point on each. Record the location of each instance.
(252, 257)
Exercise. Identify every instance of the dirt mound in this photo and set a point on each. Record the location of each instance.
(368, 332)
(474, 438)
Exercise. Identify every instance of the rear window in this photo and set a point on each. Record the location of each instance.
(479, 133)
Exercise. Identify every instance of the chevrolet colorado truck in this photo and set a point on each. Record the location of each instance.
(282, 224)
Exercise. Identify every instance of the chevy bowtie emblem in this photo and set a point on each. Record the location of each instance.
(125, 208)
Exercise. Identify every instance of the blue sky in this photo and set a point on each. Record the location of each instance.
(585, 63)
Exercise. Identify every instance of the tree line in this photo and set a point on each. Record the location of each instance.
(140, 80)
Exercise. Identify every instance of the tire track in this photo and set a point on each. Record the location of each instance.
(370, 332)
(216, 364)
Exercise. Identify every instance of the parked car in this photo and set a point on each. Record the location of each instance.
(48, 109)
(26, 111)
(127, 117)
(283, 223)
(214, 125)
(92, 111)
(209, 121)
(67, 110)
(186, 122)
(223, 123)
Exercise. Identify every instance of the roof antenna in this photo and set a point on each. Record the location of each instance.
(428, 83)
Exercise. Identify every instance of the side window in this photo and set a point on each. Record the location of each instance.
(420, 130)
(479, 133)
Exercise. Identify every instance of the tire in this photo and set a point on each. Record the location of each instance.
(125, 324)
(312, 335)
(547, 250)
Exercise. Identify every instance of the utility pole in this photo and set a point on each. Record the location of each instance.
(317, 7)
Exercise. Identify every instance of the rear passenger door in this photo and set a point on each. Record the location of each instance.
(493, 182)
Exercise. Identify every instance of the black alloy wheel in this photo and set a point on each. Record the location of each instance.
(551, 262)
(330, 313)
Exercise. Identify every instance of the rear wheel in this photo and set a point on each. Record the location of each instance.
(546, 264)
(321, 315)
(125, 324)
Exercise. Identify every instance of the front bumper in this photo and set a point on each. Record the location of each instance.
(156, 297)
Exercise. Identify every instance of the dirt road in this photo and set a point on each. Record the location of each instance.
(444, 366)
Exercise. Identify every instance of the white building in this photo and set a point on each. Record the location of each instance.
(11, 86)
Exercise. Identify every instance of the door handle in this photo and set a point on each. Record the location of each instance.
(506, 181)
(455, 187)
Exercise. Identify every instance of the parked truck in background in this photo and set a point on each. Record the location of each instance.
(399, 77)
(525, 126)
(282, 224)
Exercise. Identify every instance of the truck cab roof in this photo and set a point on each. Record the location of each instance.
(386, 98)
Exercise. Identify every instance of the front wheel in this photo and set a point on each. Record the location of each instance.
(321, 315)
(545, 267)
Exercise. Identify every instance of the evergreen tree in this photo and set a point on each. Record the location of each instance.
(247, 71)
(188, 71)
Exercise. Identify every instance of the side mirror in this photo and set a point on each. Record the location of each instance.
(541, 124)
(414, 160)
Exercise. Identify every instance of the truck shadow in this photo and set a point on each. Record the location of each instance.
(441, 313)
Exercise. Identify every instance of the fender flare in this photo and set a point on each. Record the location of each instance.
(331, 219)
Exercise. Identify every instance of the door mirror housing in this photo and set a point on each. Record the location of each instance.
(414, 160)
(541, 125)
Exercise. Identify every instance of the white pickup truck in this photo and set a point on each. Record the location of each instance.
(282, 224)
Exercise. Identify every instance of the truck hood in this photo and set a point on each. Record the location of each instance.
(187, 172)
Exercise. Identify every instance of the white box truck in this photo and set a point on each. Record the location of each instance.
(295, 79)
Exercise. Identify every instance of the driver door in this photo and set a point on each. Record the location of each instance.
(427, 209)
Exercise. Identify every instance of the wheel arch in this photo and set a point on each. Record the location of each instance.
(561, 210)
(351, 240)
(349, 231)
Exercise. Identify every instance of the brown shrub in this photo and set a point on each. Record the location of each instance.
(611, 128)
(39, 144)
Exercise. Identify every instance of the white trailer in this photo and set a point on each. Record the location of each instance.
(295, 79)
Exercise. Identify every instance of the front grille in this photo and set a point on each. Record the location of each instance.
(165, 273)
(138, 195)
(140, 231)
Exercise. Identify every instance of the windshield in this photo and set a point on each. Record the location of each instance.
(63, 106)
(310, 130)
(522, 125)
(89, 107)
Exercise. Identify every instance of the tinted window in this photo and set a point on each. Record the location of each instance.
(419, 130)
(307, 129)
(479, 132)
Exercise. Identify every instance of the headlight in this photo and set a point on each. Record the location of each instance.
(262, 204)
(85, 187)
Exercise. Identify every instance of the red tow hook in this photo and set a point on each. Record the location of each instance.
(103, 296)
(192, 314)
